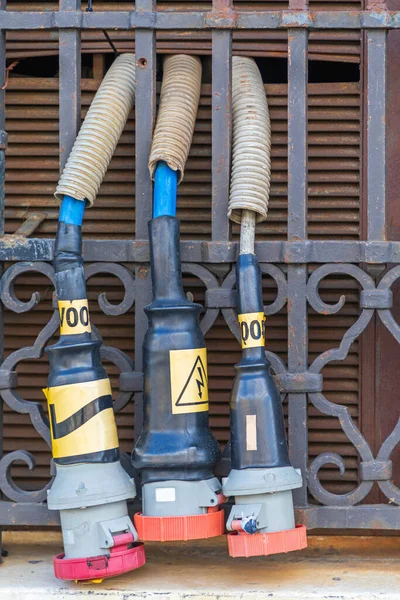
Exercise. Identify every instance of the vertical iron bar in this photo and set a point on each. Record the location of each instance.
(70, 84)
(2, 201)
(297, 230)
(376, 134)
(145, 48)
(368, 355)
(221, 132)
(374, 343)
(297, 134)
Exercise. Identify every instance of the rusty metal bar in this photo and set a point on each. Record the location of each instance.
(315, 517)
(221, 124)
(70, 84)
(31, 222)
(297, 230)
(199, 251)
(145, 47)
(164, 20)
(297, 135)
(376, 134)
(375, 516)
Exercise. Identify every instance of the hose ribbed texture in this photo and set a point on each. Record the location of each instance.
(180, 94)
(100, 132)
(251, 152)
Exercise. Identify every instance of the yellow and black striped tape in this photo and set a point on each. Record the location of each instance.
(74, 316)
(252, 329)
(81, 419)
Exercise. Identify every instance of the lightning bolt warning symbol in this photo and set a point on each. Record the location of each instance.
(189, 389)
(200, 384)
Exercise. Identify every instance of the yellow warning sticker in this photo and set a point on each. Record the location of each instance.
(81, 418)
(189, 380)
(252, 329)
(74, 316)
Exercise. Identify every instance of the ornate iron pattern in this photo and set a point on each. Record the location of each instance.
(287, 263)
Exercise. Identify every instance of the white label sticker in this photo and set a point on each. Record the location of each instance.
(165, 495)
(251, 432)
(68, 537)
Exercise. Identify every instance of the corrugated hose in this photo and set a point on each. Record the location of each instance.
(180, 94)
(100, 132)
(251, 153)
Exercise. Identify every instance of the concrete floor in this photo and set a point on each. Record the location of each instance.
(361, 568)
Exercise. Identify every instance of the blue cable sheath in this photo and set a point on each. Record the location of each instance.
(72, 211)
(165, 191)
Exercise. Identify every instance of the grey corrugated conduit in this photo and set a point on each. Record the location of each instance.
(180, 94)
(251, 160)
(100, 132)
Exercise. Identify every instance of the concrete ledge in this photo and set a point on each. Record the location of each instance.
(359, 568)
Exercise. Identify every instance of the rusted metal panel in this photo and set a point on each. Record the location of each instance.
(324, 45)
(334, 146)
(329, 188)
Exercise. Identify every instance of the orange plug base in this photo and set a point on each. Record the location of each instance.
(173, 529)
(263, 544)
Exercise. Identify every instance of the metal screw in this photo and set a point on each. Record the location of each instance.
(142, 272)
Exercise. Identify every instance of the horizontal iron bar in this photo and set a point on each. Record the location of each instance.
(299, 383)
(376, 470)
(16, 248)
(382, 299)
(27, 514)
(11, 20)
(369, 516)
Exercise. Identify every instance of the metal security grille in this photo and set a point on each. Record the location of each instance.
(297, 264)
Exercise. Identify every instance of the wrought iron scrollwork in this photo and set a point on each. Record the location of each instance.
(8, 370)
(220, 298)
(124, 276)
(9, 278)
(386, 315)
(371, 469)
(387, 486)
(11, 489)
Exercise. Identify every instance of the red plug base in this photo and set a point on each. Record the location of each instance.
(121, 559)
